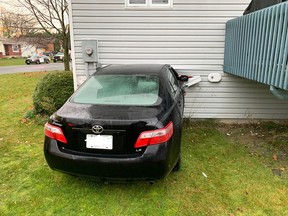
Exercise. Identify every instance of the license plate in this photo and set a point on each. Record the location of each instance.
(99, 141)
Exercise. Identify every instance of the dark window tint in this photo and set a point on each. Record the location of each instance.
(172, 82)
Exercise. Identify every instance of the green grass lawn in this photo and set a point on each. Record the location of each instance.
(12, 61)
(221, 174)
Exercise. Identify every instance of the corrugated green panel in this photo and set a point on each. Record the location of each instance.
(256, 46)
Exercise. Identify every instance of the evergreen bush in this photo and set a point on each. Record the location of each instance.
(52, 91)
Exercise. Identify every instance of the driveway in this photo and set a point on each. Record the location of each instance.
(31, 68)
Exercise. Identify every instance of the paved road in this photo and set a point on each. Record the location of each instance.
(31, 68)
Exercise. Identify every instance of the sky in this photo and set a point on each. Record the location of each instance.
(8, 3)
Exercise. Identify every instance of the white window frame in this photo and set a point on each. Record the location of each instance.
(14, 46)
(149, 4)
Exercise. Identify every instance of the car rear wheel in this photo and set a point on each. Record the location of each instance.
(28, 62)
(37, 62)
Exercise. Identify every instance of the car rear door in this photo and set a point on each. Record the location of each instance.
(176, 115)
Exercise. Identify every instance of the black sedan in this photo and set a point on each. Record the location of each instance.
(125, 122)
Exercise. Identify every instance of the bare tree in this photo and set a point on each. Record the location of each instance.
(6, 24)
(17, 24)
(52, 16)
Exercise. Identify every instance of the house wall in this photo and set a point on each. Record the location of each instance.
(50, 47)
(9, 51)
(2, 50)
(27, 49)
(190, 36)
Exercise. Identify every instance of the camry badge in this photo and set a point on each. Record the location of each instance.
(97, 129)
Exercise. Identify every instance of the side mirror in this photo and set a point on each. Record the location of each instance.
(183, 78)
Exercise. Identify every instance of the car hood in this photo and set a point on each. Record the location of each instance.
(108, 112)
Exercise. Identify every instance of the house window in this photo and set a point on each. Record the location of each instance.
(15, 48)
(149, 3)
(137, 2)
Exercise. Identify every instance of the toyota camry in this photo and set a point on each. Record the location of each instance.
(124, 122)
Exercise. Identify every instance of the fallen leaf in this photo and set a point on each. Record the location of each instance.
(239, 209)
(204, 175)
(275, 157)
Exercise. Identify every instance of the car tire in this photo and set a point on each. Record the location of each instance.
(47, 61)
(54, 60)
(27, 62)
(177, 165)
(37, 62)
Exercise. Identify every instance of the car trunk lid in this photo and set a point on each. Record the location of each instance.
(119, 128)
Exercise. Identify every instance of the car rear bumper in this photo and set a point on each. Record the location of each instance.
(152, 164)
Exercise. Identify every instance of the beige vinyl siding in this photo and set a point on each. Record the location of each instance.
(234, 98)
(190, 36)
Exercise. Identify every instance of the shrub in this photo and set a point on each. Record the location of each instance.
(52, 91)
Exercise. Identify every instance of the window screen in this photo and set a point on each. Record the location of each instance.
(149, 3)
(137, 1)
(15, 48)
(160, 1)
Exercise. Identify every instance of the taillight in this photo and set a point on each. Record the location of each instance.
(54, 132)
(154, 137)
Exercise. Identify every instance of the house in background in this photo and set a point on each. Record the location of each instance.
(188, 34)
(26, 46)
(32, 45)
(11, 48)
(2, 50)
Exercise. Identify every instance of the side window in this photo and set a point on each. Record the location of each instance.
(173, 82)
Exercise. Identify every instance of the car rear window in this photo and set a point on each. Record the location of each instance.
(119, 90)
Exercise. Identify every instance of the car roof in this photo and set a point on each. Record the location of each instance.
(149, 69)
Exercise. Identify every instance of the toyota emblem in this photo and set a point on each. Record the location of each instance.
(97, 129)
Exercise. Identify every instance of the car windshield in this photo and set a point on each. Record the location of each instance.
(34, 56)
(139, 90)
